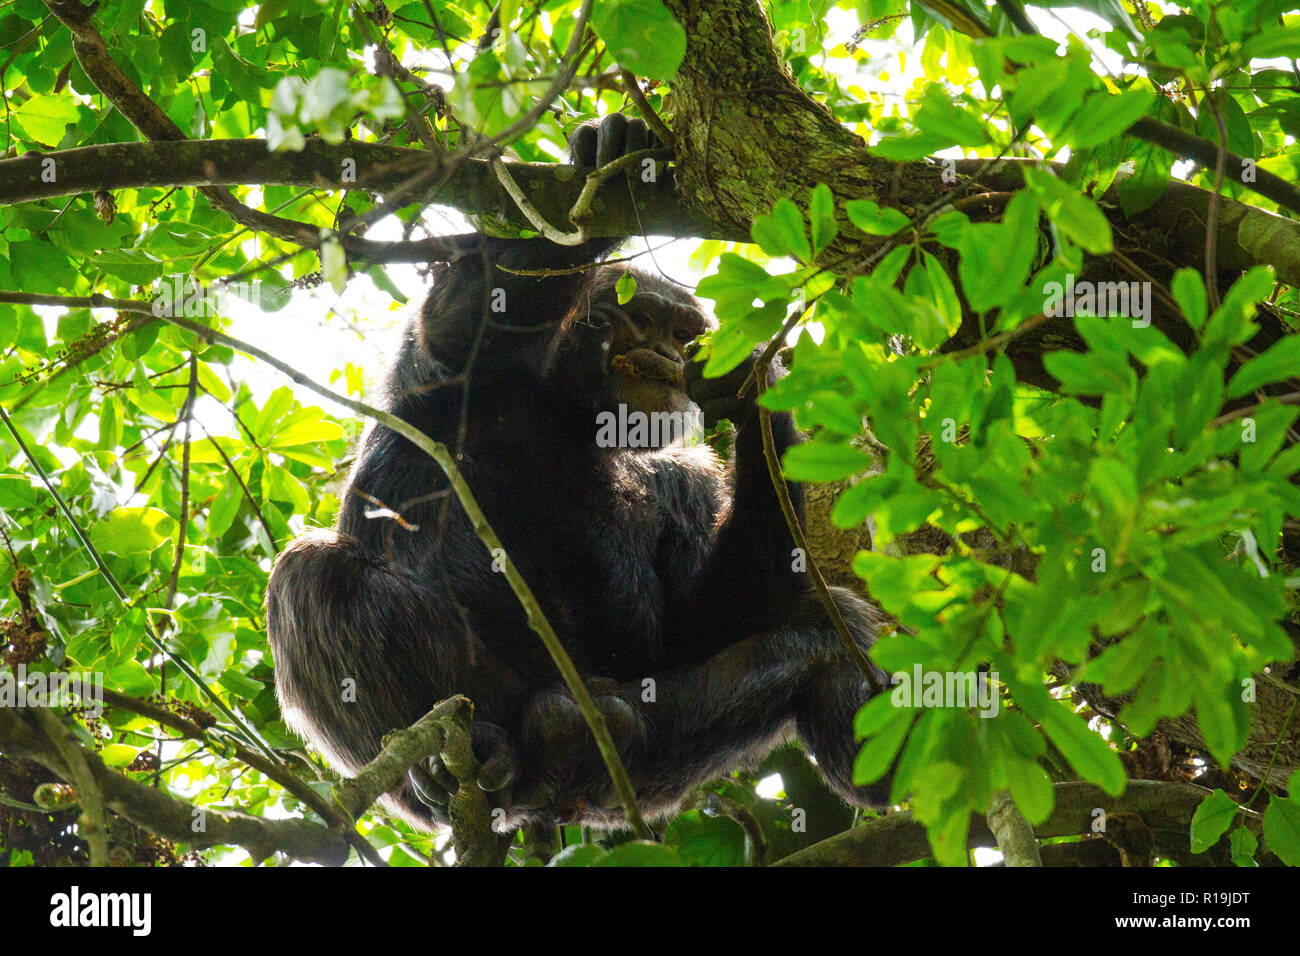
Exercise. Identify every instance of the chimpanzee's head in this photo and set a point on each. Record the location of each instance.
(641, 346)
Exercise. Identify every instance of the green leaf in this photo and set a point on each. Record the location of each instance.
(241, 684)
(625, 287)
(1212, 818)
(824, 461)
(45, 118)
(130, 677)
(873, 220)
(1218, 719)
(943, 292)
(940, 118)
(1243, 845)
(1030, 787)
(1240, 136)
(821, 214)
(902, 149)
(1075, 215)
(1282, 825)
(309, 429)
(334, 264)
(1189, 292)
(277, 404)
(640, 853)
(1087, 752)
(1105, 117)
(701, 840)
(1279, 361)
(878, 753)
(244, 78)
(641, 35)
(131, 531)
(579, 854)
(117, 755)
(996, 257)
(735, 286)
(224, 508)
(782, 233)
(1276, 41)
(17, 493)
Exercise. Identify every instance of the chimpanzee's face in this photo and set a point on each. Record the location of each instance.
(643, 344)
(648, 352)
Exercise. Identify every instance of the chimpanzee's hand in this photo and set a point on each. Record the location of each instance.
(598, 143)
(498, 766)
(563, 772)
(717, 397)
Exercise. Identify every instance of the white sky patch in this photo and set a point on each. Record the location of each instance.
(986, 856)
(771, 787)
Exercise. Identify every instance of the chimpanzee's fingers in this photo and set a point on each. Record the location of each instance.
(611, 138)
(498, 760)
(636, 137)
(426, 789)
(582, 145)
(440, 774)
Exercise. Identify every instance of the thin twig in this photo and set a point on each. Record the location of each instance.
(632, 87)
(1212, 212)
(801, 542)
(581, 210)
(248, 495)
(183, 519)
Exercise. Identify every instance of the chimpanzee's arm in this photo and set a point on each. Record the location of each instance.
(750, 580)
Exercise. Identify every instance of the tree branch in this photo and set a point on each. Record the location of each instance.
(92, 823)
(172, 818)
(470, 186)
(280, 774)
(898, 838)
(1015, 836)
(1179, 142)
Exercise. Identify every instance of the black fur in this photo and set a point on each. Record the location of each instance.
(657, 564)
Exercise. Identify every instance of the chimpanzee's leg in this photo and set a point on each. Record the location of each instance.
(680, 729)
(363, 649)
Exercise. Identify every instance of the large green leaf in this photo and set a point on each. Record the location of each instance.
(641, 35)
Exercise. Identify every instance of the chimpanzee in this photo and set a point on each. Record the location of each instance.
(671, 579)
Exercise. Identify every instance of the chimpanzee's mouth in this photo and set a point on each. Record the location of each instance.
(648, 364)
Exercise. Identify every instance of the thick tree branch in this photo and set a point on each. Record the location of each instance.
(747, 134)
(172, 818)
(1246, 235)
(92, 823)
(150, 119)
(445, 729)
(1165, 808)
(470, 186)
